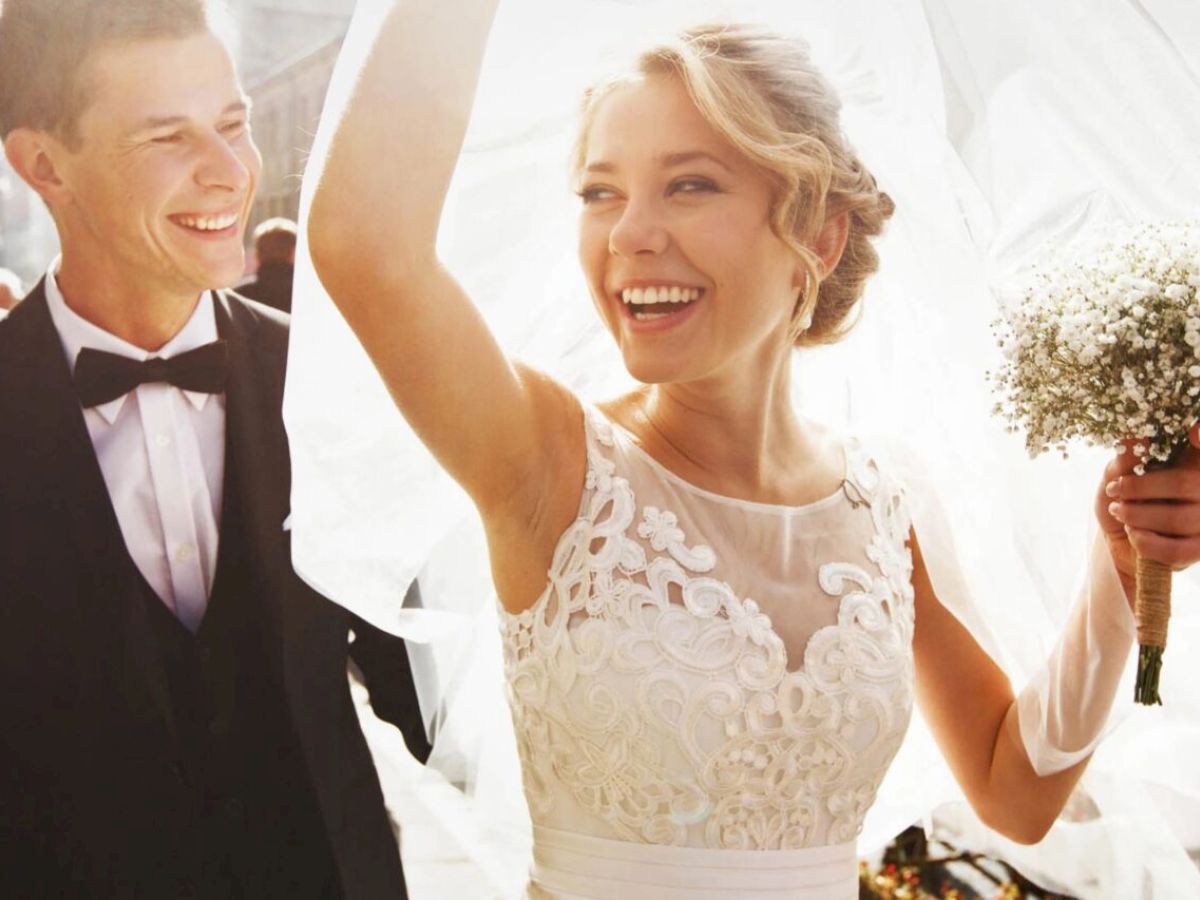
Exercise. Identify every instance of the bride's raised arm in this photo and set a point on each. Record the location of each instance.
(497, 428)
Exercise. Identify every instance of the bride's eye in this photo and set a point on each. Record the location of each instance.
(692, 185)
(595, 192)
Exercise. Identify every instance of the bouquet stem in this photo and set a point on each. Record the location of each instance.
(1152, 611)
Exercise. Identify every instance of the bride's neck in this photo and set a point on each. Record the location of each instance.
(735, 443)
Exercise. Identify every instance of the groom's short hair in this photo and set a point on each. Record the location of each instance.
(46, 46)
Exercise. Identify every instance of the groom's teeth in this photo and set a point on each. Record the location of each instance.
(208, 223)
(659, 294)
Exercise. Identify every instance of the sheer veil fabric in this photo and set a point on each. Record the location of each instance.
(997, 130)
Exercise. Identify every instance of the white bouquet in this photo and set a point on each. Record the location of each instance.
(1104, 348)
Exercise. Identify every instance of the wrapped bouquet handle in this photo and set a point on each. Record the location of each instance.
(1152, 612)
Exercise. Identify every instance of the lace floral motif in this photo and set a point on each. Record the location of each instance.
(648, 695)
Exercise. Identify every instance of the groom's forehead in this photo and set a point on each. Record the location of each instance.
(139, 83)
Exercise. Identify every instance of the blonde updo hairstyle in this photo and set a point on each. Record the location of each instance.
(762, 93)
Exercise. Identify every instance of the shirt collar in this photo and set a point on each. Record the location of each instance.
(76, 333)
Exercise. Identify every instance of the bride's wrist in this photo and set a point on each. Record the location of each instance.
(1112, 557)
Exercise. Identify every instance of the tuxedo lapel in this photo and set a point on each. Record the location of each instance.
(50, 460)
(257, 444)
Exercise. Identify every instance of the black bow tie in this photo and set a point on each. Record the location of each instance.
(101, 377)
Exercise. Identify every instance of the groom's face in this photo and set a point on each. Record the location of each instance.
(161, 182)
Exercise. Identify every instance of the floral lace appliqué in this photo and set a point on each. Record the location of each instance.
(646, 693)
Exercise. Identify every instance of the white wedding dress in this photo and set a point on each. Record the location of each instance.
(709, 691)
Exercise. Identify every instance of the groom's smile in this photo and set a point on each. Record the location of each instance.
(208, 224)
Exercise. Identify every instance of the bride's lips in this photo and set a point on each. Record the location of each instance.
(648, 305)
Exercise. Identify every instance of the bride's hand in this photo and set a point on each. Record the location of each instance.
(1155, 515)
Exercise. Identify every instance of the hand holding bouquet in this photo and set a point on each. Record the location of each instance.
(1107, 349)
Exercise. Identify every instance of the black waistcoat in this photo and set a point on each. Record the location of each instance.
(253, 813)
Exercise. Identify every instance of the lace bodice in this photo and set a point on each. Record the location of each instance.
(650, 684)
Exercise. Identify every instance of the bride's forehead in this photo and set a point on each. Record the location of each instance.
(652, 116)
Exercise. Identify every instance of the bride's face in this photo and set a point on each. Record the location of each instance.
(675, 240)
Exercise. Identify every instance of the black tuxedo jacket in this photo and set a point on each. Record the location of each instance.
(87, 742)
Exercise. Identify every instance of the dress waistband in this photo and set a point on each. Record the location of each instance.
(571, 865)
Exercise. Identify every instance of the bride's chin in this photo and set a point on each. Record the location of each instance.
(646, 363)
(650, 372)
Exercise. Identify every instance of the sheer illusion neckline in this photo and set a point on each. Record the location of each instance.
(777, 509)
(655, 703)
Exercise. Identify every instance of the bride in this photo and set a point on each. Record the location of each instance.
(716, 613)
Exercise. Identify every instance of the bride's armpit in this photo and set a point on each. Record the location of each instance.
(525, 523)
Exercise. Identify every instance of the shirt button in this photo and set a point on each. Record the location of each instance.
(162, 440)
(184, 552)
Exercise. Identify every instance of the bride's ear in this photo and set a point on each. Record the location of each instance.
(830, 242)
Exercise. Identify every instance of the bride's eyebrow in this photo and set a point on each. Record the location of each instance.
(670, 160)
(666, 160)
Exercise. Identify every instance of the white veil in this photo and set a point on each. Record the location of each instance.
(995, 128)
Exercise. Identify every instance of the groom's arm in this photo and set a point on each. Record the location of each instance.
(383, 660)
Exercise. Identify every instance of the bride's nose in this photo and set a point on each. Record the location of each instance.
(640, 229)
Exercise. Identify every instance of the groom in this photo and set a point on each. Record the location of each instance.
(175, 718)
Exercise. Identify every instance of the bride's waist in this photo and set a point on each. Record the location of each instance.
(568, 864)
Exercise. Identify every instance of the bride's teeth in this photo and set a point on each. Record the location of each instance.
(646, 296)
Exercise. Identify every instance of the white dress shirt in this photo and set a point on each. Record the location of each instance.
(162, 452)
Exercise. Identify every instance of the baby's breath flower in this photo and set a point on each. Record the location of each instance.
(1107, 347)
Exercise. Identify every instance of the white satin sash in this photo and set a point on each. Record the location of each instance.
(570, 866)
